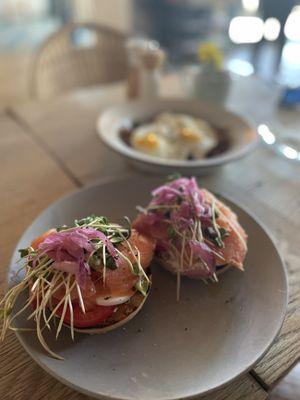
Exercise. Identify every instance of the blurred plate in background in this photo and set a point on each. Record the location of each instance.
(242, 136)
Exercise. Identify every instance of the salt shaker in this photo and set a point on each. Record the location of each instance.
(145, 60)
(152, 60)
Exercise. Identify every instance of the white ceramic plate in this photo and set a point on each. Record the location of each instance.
(242, 136)
(169, 350)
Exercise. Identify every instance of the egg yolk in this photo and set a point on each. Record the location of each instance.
(190, 135)
(150, 141)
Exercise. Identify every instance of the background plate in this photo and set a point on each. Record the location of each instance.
(170, 350)
(242, 135)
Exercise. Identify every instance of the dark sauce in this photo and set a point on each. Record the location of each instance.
(223, 145)
(125, 134)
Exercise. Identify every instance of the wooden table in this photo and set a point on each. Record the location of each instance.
(50, 148)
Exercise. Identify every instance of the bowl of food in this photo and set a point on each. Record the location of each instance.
(176, 135)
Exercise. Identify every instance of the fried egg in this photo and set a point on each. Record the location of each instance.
(175, 136)
(150, 139)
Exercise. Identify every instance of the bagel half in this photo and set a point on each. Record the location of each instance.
(123, 314)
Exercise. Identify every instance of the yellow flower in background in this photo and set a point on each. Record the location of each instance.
(210, 55)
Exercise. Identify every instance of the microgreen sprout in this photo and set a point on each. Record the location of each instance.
(91, 243)
(191, 223)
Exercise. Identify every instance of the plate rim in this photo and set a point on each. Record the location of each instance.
(122, 178)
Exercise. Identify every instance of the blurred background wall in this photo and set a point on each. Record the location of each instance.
(261, 36)
(116, 13)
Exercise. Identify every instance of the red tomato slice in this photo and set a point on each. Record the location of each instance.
(92, 317)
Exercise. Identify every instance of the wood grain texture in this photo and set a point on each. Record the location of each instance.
(25, 189)
(66, 128)
(242, 388)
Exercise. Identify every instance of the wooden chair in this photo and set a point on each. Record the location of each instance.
(80, 54)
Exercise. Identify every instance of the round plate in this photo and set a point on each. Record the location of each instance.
(169, 350)
(243, 137)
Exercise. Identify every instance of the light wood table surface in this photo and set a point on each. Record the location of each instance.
(48, 149)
